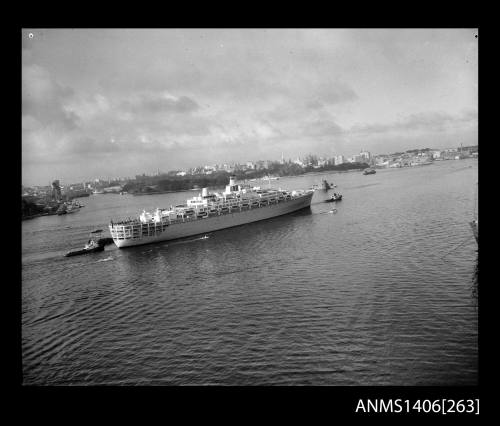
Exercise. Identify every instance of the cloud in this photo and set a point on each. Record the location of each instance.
(152, 103)
(60, 124)
(432, 121)
(171, 97)
(330, 95)
(321, 128)
(335, 92)
(44, 100)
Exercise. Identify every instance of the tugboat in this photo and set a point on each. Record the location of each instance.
(93, 245)
(334, 197)
(325, 185)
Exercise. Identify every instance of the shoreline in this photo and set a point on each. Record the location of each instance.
(160, 192)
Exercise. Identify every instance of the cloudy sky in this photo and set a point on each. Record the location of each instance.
(109, 103)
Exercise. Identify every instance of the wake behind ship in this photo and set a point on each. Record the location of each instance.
(237, 205)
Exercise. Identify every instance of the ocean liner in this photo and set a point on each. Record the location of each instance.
(237, 205)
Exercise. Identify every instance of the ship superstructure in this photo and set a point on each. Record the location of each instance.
(237, 205)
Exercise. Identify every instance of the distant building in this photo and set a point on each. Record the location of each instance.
(339, 159)
(261, 164)
(356, 159)
(366, 156)
(112, 189)
(382, 162)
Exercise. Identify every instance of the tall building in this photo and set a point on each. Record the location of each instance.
(365, 155)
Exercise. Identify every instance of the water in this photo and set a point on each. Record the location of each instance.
(382, 292)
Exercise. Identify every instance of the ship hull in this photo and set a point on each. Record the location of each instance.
(215, 223)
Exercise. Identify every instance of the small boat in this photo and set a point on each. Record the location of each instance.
(67, 208)
(89, 248)
(334, 197)
(325, 185)
(72, 208)
(369, 172)
(93, 245)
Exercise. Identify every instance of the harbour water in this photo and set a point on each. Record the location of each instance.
(382, 292)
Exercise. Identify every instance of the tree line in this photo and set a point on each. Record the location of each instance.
(152, 184)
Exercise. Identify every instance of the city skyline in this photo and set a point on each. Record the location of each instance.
(378, 158)
(132, 100)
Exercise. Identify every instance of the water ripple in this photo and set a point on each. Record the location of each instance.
(381, 293)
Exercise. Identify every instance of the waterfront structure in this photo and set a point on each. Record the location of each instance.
(237, 205)
(112, 189)
(435, 154)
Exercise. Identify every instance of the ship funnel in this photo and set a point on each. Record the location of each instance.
(204, 192)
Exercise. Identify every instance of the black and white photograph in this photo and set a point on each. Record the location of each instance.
(249, 207)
